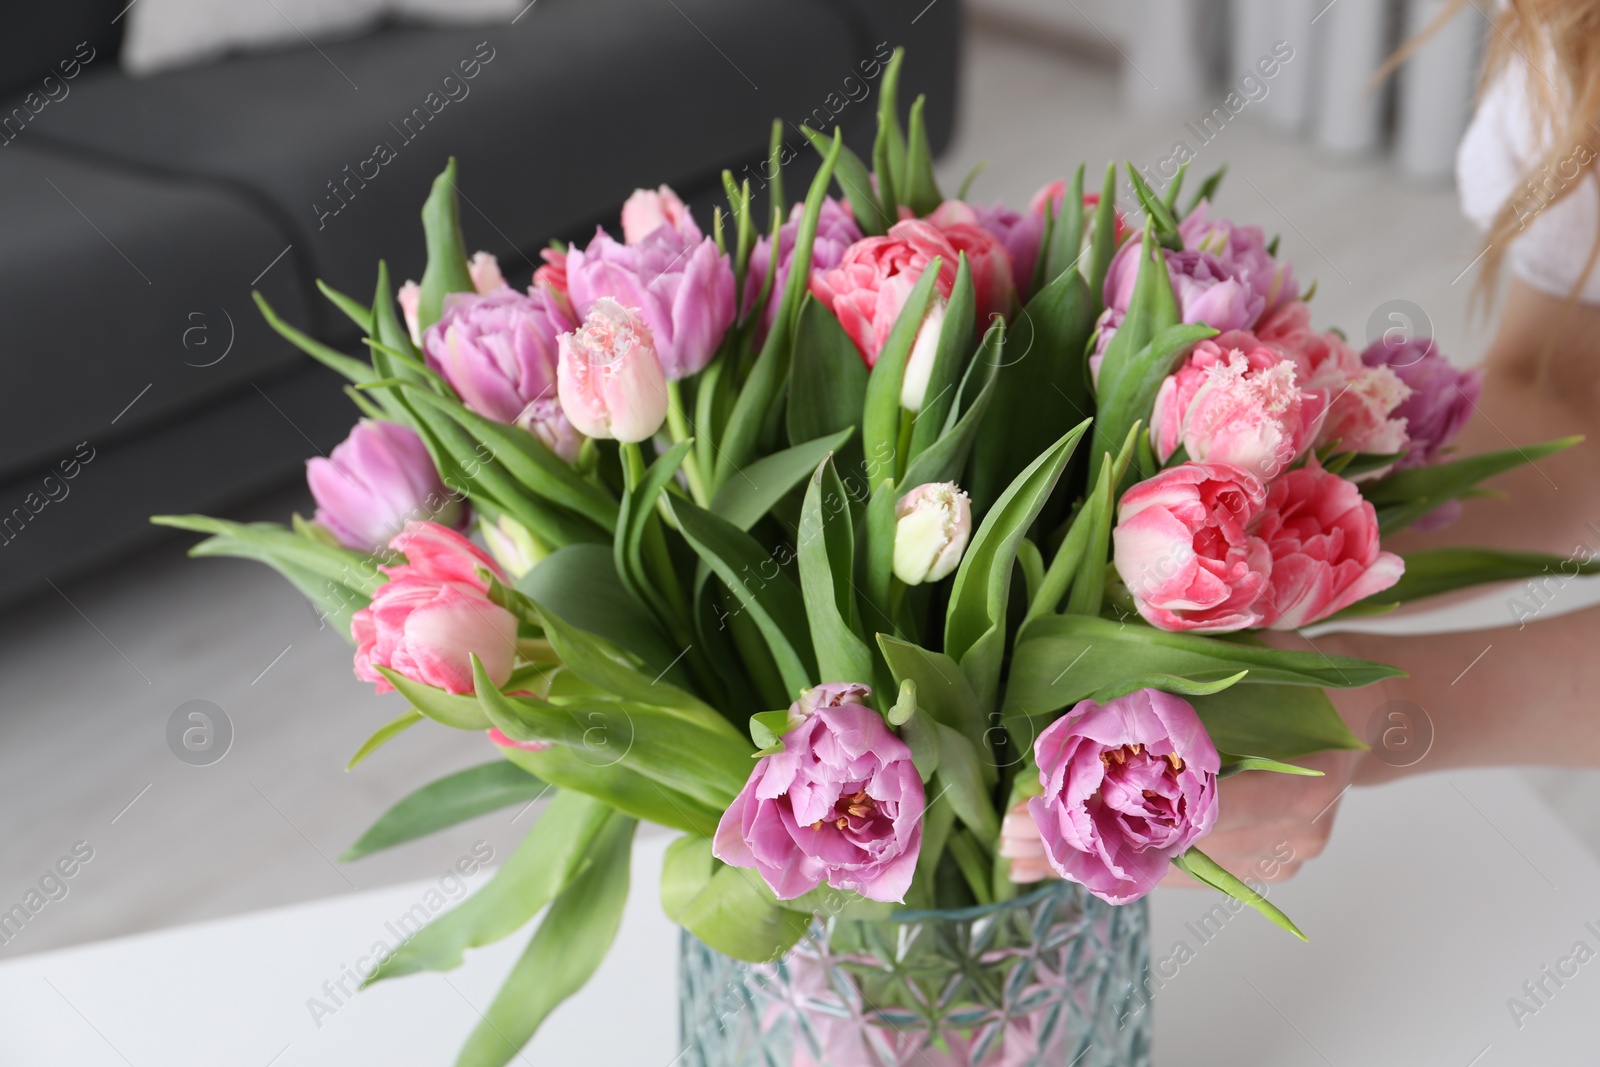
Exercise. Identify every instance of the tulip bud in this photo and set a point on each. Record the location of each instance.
(485, 271)
(512, 545)
(546, 421)
(647, 210)
(932, 524)
(609, 378)
(919, 364)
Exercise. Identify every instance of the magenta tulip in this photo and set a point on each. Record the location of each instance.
(1128, 785)
(841, 804)
(682, 287)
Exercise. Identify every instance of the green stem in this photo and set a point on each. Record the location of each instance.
(678, 427)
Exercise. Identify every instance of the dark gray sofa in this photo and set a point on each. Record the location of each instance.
(138, 214)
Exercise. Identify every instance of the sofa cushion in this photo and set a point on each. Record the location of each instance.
(118, 289)
(554, 118)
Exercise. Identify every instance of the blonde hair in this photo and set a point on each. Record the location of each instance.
(1558, 42)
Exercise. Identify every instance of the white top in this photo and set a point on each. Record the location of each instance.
(1500, 145)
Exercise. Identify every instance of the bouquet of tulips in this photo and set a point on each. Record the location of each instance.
(905, 552)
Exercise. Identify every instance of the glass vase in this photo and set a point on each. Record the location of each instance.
(1054, 977)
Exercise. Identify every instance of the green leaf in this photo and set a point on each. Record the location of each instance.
(1232, 765)
(1167, 683)
(855, 186)
(746, 497)
(446, 802)
(1042, 384)
(1205, 869)
(729, 908)
(964, 777)
(950, 362)
(1129, 381)
(382, 736)
(530, 462)
(1103, 244)
(772, 600)
(942, 689)
(1208, 188)
(764, 386)
(707, 764)
(387, 327)
(946, 458)
(1160, 217)
(611, 669)
(352, 308)
(1061, 659)
(1432, 571)
(880, 420)
(827, 580)
(353, 369)
(1405, 496)
(563, 954)
(638, 519)
(579, 584)
(1274, 721)
(974, 632)
(880, 527)
(920, 732)
(1066, 237)
(827, 379)
(768, 727)
(448, 709)
(889, 149)
(595, 774)
(1093, 546)
(447, 252)
(920, 190)
(1152, 308)
(546, 860)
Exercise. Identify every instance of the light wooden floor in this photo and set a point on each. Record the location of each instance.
(88, 684)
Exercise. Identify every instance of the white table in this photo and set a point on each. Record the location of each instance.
(1439, 897)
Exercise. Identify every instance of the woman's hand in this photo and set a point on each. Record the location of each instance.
(1268, 824)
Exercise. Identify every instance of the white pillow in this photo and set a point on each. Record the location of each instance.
(165, 34)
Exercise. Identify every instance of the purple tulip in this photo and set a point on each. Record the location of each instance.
(1208, 289)
(1128, 785)
(1441, 400)
(836, 231)
(1242, 250)
(1020, 232)
(682, 288)
(498, 351)
(376, 480)
(841, 803)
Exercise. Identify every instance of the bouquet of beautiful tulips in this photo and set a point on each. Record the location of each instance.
(897, 555)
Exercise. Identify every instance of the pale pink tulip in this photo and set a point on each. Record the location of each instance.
(609, 378)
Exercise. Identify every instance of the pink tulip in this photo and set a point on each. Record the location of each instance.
(648, 210)
(1021, 844)
(987, 258)
(610, 379)
(1234, 400)
(498, 351)
(1441, 400)
(486, 278)
(1128, 785)
(1183, 548)
(1363, 401)
(1323, 538)
(870, 285)
(374, 482)
(681, 286)
(840, 804)
(552, 274)
(432, 614)
(485, 271)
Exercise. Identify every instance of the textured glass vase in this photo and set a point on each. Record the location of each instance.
(1053, 979)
